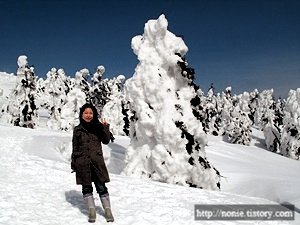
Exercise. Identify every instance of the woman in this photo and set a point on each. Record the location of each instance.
(88, 161)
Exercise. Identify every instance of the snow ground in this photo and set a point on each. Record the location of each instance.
(36, 186)
(254, 171)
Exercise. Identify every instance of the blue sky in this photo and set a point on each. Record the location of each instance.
(245, 44)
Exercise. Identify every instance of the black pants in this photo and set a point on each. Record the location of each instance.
(100, 187)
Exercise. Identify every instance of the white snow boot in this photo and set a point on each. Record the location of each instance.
(89, 200)
(106, 206)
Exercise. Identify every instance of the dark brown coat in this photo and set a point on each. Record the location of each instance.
(87, 153)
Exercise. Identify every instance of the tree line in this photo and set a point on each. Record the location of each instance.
(221, 114)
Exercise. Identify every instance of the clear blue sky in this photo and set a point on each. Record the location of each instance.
(244, 44)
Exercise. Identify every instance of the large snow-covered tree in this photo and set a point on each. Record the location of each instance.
(167, 141)
(21, 109)
(290, 140)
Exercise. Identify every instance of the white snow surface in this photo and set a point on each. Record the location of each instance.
(36, 186)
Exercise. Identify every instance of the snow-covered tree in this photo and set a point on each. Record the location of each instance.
(238, 127)
(76, 98)
(278, 124)
(198, 105)
(211, 113)
(112, 110)
(22, 65)
(264, 103)
(100, 90)
(265, 118)
(253, 105)
(227, 107)
(81, 82)
(290, 140)
(21, 109)
(167, 141)
(55, 93)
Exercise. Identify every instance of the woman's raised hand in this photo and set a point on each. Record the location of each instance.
(104, 121)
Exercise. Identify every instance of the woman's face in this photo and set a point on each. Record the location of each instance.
(87, 115)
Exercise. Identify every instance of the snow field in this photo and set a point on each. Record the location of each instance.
(37, 187)
(253, 171)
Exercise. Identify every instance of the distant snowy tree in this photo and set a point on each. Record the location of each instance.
(75, 98)
(100, 89)
(279, 111)
(112, 110)
(21, 109)
(40, 88)
(265, 118)
(81, 82)
(22, 65)
(238, 129)
(290, 140)
(56, 89)
(278, 124)
(211, 113)
(264, 104)
(167, 141)
(253, 105)
(245, 123)
(227, 108)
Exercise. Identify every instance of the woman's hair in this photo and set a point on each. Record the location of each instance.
(95, 113)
